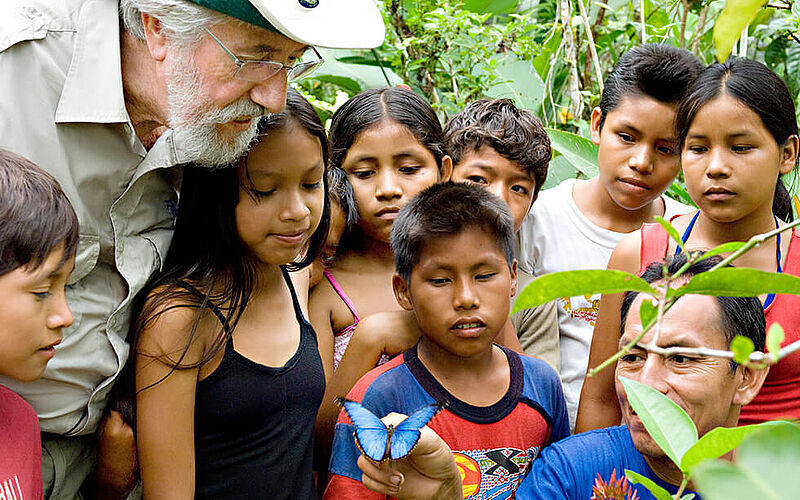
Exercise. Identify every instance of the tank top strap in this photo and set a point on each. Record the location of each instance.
(340, 292)
(206, 303)
(654, 245)
(298, 312)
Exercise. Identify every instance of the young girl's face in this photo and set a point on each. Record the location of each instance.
(387, 166)
(731, 161)
(281, 194)
(637, 154)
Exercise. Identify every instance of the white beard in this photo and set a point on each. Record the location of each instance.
(193, 119)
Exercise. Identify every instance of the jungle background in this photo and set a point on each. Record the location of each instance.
(550, 57)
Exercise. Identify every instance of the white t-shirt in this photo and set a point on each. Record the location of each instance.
(555, 237)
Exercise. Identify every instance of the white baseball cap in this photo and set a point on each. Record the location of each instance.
(323, 23)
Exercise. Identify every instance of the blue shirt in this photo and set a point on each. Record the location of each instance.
(568, 469)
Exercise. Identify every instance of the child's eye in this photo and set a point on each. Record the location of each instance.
(697, 149)
(409, 170)
(741, 149)
(485, 276)
(313, 185)
(262, 194)
(477, 179)
(517, 188)
(438, 281)
(666, 150)
(362, 174)
(42, 295)
(627, 138)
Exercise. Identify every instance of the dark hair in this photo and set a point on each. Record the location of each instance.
(388, 103)
(35, 215)
(758, 88)
(341, 192)
(516, 134)
(207, 264)
(654, 70)
(738, 315)
(445, 209)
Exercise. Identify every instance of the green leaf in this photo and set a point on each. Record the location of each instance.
(729, 247)
(766, 467)
(559, 170)
(671, 231)
(351, 85)
(666, 422)
(581, 152)
(519, 82)
(796, 9)
(658, 492)
(647, 312)
(571, 283)
(775, 337)
(351, 64)
(740, 282)
(729, 25)
(742, 347)
(491, 6)
(718, 442)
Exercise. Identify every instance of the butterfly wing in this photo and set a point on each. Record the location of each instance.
(371, 434)
(406, 434)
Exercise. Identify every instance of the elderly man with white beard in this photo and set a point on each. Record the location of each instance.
(111, 97)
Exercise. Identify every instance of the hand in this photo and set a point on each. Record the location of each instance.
(117, 468)
(428, 473)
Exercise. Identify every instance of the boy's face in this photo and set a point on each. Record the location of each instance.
(501, 177)
(638, 156)
(460, 292)
(33, 310)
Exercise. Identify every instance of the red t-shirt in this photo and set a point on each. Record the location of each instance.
(20, 449)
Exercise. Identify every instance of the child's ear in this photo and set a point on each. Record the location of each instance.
(447, 169)
(597, 116)
(514, 278)
(155, 36)
(401, 292)
(789, 153)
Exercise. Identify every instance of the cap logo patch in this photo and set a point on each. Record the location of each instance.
(309, 4)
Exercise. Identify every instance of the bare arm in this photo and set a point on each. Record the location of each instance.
(598, 406)
(165, 411)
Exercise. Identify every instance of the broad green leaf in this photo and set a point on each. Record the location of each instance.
(742, 347)
(519, 82)
(490, 6)
(581, 152)
(658, 492)
(571, 283)
(729, 25)
(775, 337)
(718, 442)
(666, 422)
(361, 69)
(671, 231)
(740, 282)
(351, 85)
(559, 170)
(766, 467)
(678, 192)
(729, 247)
(647, 312)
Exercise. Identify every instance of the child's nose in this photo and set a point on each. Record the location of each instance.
(641, 160)
(465, 296)
(388, 187)
(61, 317)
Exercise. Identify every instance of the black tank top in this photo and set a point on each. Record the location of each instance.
(254, 424)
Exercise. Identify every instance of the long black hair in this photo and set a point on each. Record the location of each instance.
(207, 264)
(758, 88)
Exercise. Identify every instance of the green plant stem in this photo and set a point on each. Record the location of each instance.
(682, 487)
(642, 20)
(592, 48)
(380, 65)
(754, 242)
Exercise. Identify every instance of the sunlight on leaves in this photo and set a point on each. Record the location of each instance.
(728, 28)
(657, 491)
(718, 442)
(671, 231)
(742, 347)
(740, 282)
(775, 337)
(581, 152)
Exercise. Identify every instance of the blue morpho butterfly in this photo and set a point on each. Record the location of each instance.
(379, 442)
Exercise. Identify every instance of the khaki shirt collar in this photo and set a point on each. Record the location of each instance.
(92, 91)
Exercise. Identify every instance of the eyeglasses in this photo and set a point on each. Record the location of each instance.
(258, 71)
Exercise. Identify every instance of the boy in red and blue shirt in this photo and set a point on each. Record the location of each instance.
(455, 269)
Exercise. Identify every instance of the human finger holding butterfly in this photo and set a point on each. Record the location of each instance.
(427, 472)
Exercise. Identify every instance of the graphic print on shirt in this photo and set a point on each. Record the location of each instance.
(583, 308)
(10, 489)
(493, 474)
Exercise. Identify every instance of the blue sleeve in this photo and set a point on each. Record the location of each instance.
(344, 453)
(543, 386)
(551, 478)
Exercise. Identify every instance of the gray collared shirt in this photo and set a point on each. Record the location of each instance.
(62, 106)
